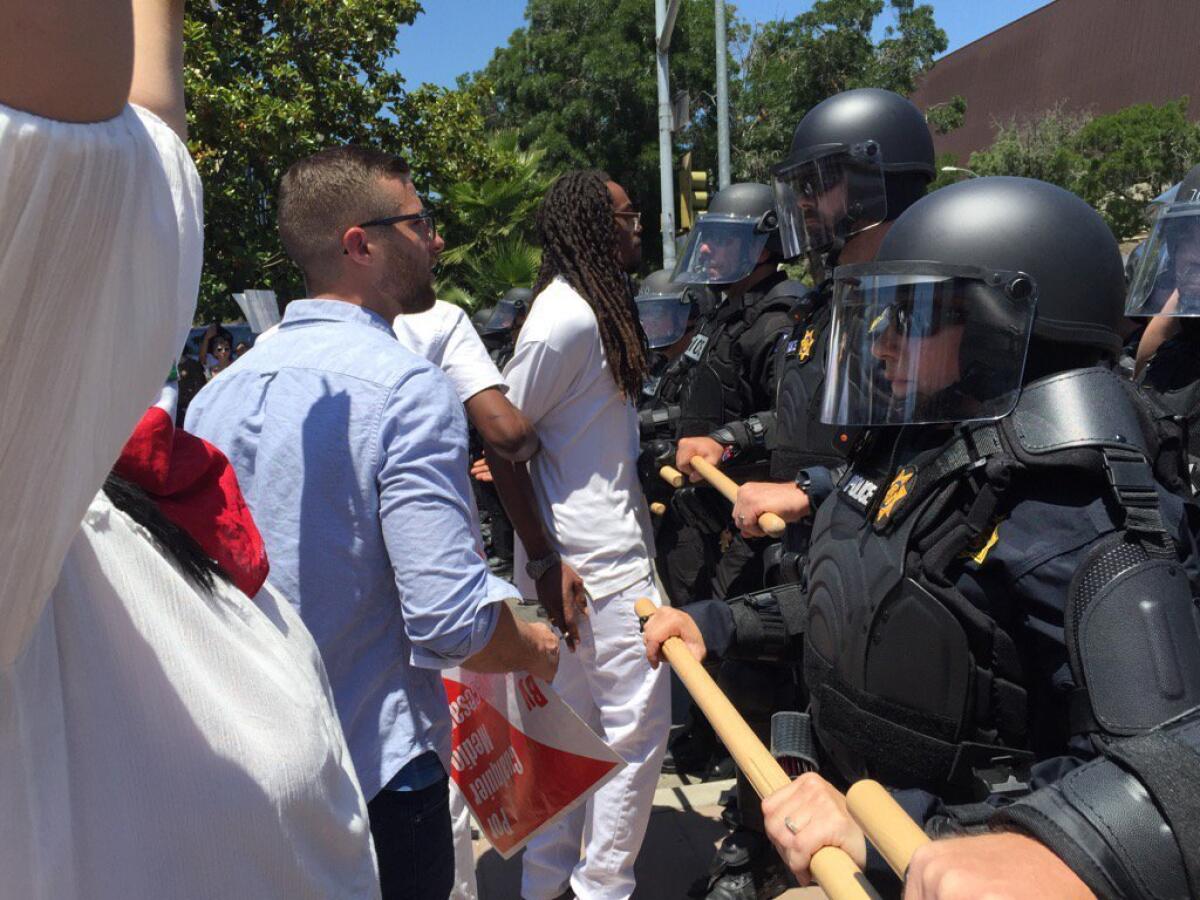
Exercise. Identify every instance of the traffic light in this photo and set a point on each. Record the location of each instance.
(693, 194)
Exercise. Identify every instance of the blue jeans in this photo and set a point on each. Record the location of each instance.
(414, 842)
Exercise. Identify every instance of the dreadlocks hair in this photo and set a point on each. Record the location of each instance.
(579, 242)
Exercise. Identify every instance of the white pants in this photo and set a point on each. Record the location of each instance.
(609, 683)
(464, 850)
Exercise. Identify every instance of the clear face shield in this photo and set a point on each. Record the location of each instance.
(829, 196)
(1166, 281)
(664, 317)
(505, 316)
(724, 249)
(922, 343)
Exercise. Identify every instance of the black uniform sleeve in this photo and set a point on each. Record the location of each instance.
(759, 345)
(1128, 823)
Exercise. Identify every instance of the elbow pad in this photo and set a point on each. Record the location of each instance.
(1128, 824)
(756, 432)
(769, 625)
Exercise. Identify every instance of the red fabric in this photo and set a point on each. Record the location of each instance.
(196, 488)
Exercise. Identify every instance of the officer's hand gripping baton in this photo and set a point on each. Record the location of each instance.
(887, 826)
(832, 867)
(768, 521)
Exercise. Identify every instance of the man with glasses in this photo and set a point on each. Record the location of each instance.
(352, 454)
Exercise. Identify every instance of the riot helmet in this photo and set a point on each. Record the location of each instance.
(1166, 280)
(853, 156)
(969, 282)
(668, 308)
(728, 240)
(510, 311)
(481, 317)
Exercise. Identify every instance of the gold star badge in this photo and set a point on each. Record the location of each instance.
(896, 493)
(806, 345)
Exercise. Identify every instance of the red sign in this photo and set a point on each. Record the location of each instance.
(521, 757)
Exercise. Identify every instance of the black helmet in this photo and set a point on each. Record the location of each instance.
(1166, 280)
(937, 327)
(511, 307)
(867, 151)
(667, 308)
(481, 317)
(729, 238)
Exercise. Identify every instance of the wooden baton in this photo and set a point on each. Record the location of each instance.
(833, 869)
(768, 521)
(658, 509)
(671, 476)
(895, 835)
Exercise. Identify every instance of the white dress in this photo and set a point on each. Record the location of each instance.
(155, 741)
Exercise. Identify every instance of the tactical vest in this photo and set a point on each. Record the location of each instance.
(913, 684)
(801, 439)
(715, 388)
(1171, 383)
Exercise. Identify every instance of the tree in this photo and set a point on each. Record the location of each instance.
(1132, 156)
(272, 81)
(1042, 147)
(793, 65)
(490, 240)
(1116, 162)
(579, 80)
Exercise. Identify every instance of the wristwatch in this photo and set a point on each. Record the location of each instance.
(536, 568)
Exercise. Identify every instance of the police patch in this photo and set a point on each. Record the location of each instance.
(860, 490)
(696, 348)
(896, 493)
(806, 345)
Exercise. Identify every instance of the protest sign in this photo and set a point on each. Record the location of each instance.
(521, 757)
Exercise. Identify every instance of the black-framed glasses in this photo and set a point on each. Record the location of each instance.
(425, 216)
(630, 214)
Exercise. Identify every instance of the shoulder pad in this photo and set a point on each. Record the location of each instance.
(1075, 409)
(788, 294)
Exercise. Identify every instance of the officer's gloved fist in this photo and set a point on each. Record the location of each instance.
(652, 457)
(990, 865)
(701, 507)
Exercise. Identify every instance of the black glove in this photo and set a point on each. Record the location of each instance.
(701, 507)
(652, 457)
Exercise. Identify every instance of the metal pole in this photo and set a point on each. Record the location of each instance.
(665, 149)
(723, 175)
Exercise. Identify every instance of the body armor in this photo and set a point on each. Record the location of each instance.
(801, 439)
(1171, 383)
(913, 684)
(719, 385)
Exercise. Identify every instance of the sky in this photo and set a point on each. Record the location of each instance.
(453, 37)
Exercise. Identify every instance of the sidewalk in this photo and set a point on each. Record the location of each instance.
(685, 828)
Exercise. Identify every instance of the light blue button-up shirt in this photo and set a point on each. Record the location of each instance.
(352, 454)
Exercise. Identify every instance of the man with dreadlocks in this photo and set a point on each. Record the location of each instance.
(576, 373)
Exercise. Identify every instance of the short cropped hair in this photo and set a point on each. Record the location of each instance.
(323, 195)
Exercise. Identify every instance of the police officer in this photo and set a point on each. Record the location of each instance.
(669, 312)
(499, 333)
(1000, 607)
(857, 161)
(1166, 285)
(726, 372)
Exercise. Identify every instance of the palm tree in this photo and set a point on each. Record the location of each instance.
(490, 227)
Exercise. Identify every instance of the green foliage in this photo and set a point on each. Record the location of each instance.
(1132, 156)
(1116, 162)
(1042, 148)
(945, 117)
(579, 80)
(793, 65)
(272, 81)
(490, 222)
